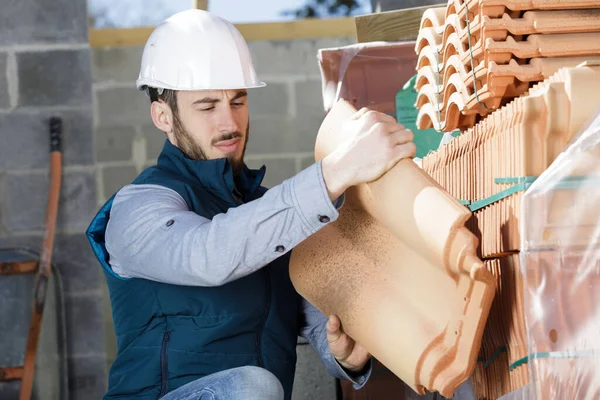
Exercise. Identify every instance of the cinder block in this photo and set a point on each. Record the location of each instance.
(122, 107)
(87, 378)
(29, 144)
(280, 135)
(293, 57)
(16, 313)
(4, 94)
(72, 256)
(114, 178)
(84, 325)
(278, 169)
(155, 141)
(307, 129)
(312, 381)
(309, 111)
(114, 143)
(272, 100)
(80, 270)
(117, 64)
(309, 100)
(306, 162)
(33, 21)
(26, 197)
(54, 78)
(10, 389)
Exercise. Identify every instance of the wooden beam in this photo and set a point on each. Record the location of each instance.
(300, 29)
(201, 4)
(390, 26)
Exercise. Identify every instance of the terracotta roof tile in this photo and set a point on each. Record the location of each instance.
(400, 269)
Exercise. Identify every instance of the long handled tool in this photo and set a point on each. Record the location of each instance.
(43, 273)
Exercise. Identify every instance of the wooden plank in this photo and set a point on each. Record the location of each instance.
(300, 29)
(201, 4)
(10, 374)
(20, 267)
(390, 26)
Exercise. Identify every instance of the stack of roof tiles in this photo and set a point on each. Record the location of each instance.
(476, 55)
(489, 166)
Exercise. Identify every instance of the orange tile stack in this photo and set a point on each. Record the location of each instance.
(511, 147)
(476, 55)
(489, 167)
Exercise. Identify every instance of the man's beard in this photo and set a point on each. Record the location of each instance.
(192, 150)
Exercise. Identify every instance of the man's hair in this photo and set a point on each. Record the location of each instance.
(168, 96)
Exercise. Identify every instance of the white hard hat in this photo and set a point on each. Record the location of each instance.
(197, 50)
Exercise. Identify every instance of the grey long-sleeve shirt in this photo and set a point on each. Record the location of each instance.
(152, 234)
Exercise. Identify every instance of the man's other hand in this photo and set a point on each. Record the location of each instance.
(351, 355)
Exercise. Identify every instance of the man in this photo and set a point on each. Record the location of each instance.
(195, 251)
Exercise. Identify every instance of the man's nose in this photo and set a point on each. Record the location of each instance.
(227, 122)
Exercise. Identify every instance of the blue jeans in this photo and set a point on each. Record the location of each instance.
(244, 383)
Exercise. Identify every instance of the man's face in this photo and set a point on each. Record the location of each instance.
(212, 124)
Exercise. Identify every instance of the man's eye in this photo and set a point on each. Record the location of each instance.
(237, 104)
(207, 109)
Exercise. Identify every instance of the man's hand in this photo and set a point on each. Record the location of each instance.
(376, 143)
(351, 355)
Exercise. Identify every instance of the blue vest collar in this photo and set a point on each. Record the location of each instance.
(215, 175)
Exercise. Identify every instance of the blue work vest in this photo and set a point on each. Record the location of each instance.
(169, 335)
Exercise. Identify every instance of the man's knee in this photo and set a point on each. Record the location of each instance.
(257, 383)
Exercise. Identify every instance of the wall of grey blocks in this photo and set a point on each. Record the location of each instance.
(45, 70)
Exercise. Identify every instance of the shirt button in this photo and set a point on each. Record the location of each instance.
(170, 222)
(324, 219)
(280, 249)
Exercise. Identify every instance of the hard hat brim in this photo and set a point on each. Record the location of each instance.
(142, 84)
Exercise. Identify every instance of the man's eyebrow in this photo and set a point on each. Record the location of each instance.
(240, 94)
(206, 100)
(211, 100)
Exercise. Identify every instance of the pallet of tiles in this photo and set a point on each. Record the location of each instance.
(475, 56)
(490, 166)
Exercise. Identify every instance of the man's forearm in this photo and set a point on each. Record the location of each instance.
(153, 235)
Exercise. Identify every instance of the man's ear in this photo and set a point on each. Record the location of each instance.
(162, 116)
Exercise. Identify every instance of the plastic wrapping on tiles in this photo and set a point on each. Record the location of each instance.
(560, 262)
(366, 74)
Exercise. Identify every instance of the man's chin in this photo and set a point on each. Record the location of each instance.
(236, 162)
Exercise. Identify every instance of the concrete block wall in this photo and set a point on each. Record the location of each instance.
(284, 119)
(45, 70)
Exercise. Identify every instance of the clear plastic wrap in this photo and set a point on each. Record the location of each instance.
(366, 74)
(560, 262)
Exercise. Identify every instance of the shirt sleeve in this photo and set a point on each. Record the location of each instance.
(152, 234)
(313, 329)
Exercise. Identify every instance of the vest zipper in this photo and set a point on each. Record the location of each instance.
(264, 317)
(164, 370)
